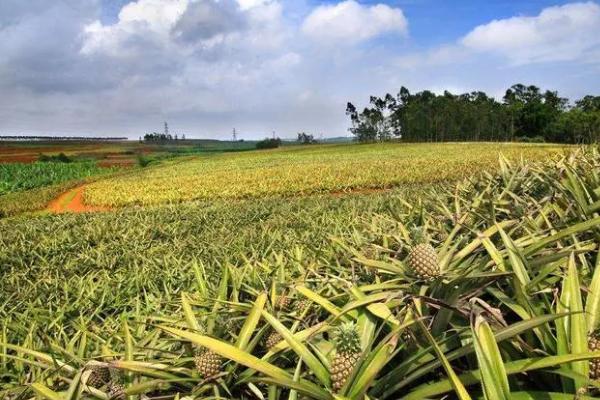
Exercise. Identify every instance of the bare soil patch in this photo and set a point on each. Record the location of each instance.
(72, 201)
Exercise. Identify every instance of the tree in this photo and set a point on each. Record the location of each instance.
(526, 113)
(305, 138)
(368, 126)
(268, 143)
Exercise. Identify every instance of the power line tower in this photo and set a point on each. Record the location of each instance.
(234, 135)
(273, 134)
(166, 129)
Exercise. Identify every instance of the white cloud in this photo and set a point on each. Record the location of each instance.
(140, 23)
(351, 22)
(209, 65)
(247, 4)
(560, 33)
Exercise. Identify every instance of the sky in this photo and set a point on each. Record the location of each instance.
(121, 68)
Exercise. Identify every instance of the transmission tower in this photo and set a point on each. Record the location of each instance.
(166, 129)
(234, 135)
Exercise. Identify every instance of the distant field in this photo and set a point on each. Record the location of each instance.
(111, 153)
(303, 170)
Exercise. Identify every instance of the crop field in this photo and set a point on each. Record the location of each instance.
(453, 271)
(110, 153)
(302, 170)
(19, 177)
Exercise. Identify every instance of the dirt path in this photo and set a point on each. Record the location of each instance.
(72, 201)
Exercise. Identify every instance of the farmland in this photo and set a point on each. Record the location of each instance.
(222, 290)
(19, 177)
(302, 170)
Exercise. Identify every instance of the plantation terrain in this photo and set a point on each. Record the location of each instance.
(393, 271)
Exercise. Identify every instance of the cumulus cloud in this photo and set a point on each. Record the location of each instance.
(207, 66)
(141, 24)
(204, 20)
(351, 22)
(560, 33)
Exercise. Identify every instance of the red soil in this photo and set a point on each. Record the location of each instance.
(72, 201)
(18, 158)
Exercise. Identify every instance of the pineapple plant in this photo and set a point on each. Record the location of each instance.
(422, 259)
(348, 351)
(273, 338)
(208, 363)
(594, 345)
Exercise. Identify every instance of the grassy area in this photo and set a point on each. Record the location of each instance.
(302, 170)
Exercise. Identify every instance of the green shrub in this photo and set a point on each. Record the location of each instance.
(143, 161)
(62, 157)
(268, 144)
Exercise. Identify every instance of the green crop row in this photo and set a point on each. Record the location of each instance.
(18, 177)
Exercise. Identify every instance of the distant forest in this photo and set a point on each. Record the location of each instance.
(525, 114)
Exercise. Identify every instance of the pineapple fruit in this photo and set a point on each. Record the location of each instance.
(594, 345)
(208, 363)
(348, 351)
(424, 263)
(99, 376)
(273, 338)
(301, 305)
(116, 389)
(422, 259)
(283, 302)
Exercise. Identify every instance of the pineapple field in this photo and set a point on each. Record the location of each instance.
(303, 170)
(473, 275)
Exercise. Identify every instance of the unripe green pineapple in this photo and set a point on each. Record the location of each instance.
(99, 376)
(347, 346)
(273, 338)
(423, 261)
(208, 363)
(594, 345)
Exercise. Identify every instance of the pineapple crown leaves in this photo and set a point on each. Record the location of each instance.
(418, 235)
(347, 339)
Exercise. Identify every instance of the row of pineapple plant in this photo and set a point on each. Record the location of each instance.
(488, 290)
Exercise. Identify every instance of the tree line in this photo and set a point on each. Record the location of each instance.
(56, 138)
(161, 137)
(526, 113)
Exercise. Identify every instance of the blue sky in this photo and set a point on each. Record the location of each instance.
(119, 67)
